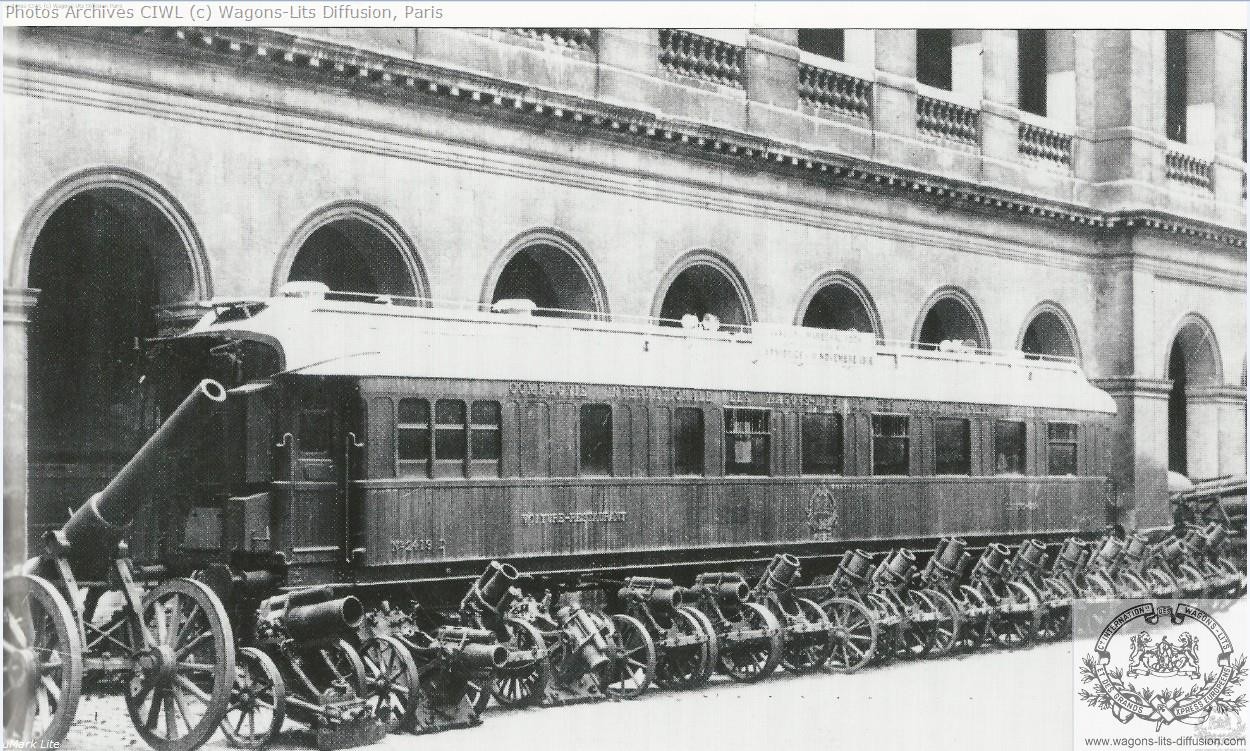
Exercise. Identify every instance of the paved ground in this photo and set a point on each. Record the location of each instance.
(985, 700)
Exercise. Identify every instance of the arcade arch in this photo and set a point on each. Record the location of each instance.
(703, 283)
(950, 313)
(550, 269)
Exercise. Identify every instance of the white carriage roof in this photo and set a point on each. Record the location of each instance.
(375, 336)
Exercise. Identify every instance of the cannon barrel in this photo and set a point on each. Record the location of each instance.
(946, 557)
(1215, 534)
(780, 573)
(474, 648)
(1031, 555)
(723, 587)
(587, 641)
(323, 619)
(99, 523)
(491, 588)
(653, 591)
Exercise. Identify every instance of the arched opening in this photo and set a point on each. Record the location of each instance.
(839, 301)
(704, 284)
(1193, 363)
(106, 260)
(952, 315)
(1049, 332)
(353, 255)
(552, 271)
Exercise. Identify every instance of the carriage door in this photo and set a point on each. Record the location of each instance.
(324, 446)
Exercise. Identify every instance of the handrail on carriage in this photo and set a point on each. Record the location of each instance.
(689, 325)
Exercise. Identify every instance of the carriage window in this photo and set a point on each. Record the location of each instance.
(688, 441)
(890, 445)
(314, 431)
(414, 429)
(1009, 447)
(746, 442)
(1060, 448)
(449, 437)
(596, 439)
(822, 444)
(485, 430)
(953, 447)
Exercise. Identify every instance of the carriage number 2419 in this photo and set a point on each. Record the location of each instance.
(419, 545)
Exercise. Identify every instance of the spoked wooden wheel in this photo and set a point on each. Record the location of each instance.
(523, 680)
(1098, 587)
(1132, 586)
(713, 642)
(752, 659)
(854, 634)
(1161, 583)
(973, 617)
(890, 626)
(42, 662)
(810, 651)
(913, 635)
(1056, 620)
(1018, 627)
(391, 690)
(257, 702)
(685, 665)
(1193, 583)
(945, 626)
(633, 667)
(183, 678)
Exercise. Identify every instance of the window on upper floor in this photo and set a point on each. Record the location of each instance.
(1176, 75)
(933, 58)
(1032, 70)
(829, 43)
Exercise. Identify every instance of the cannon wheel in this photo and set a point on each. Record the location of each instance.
(914, 637)
(974, 632)
(522, 684)
(713, 642)
(1193, 583)
(391, 690)
(42, 662)
(634, 667)
(1097, 587)
(811, 651)
(257, 700)
(1009, 630)
(854, 634)
(1132, 587)
(686, 665)
(182, 682)
(889, 619)
(754, 660)
(1056, 621)
(1162, 584)
(945, 628)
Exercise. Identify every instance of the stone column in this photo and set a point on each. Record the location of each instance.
(629, 61)
(1000, 117)
(1231, 406)
(18, 306)
(1202, 431)
(1227, 90)
(894, 95)
(772, 83)
(1139, 450)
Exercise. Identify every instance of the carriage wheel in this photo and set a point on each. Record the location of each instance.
(889, 620)
(1132, 587)
(1098, 587)
(391, 691)
(257, 701)
(1018, 628)
(807, 652)
(522, 683)
(854, 634)
(687, 665)
(755, 659)
(1236, 581)
(945, 627)
(974, 629)
(1056, 620)
(1193, 583)
(182, 680)
(1161, 583)
(913, 635)
(713, 641)
(42, 662)
(633, 668)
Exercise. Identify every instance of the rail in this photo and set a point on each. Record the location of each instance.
(947, 120)
(578, 39)
(1188, 169)
(708, 327)
(1048, 145)
(829, 89)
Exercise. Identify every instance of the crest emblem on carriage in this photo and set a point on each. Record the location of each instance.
(822, 513)
(1141, 669)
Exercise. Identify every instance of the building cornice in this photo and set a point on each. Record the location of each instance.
(456, 89)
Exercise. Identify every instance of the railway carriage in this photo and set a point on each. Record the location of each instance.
(387, 441)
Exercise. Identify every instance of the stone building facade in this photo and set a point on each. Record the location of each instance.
(1069, 193)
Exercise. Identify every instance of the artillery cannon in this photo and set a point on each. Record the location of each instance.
(173, 643)
(1029, 566)
(995, 606)
(806, 631)
(686, 650)
(302, 664)
(749, 637)
(1206, 546)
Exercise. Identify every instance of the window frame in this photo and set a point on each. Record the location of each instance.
(702, 450)
(967, 434)
(839, 435)
(1024, 447)
(479, 466)
(1074, 442)
(906, 437)
(400, 461)
(581, 441)
(765, 436)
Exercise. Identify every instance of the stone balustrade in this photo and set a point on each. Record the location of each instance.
(828, 89)
(578, 39)
(1047, 145)
(1188, 169)
(947, 120)
(706, 59)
